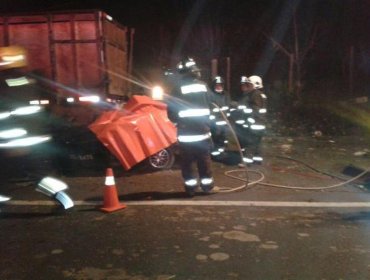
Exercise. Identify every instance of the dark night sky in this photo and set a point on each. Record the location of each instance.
(219, 28)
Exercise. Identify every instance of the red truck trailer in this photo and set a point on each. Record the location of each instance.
(79, 52)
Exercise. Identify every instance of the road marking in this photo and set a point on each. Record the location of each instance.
(205, 203)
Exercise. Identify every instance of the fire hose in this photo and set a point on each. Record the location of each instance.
(249, 184)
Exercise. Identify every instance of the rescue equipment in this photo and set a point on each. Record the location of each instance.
(140, 130)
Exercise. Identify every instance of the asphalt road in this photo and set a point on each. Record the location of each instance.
(258, 232)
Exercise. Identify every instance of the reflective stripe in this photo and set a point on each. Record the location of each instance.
(251, 120)
(247, 160)
(194, 113)
(109, 181)
(206, 181)
(232, 109)
(221, 150)
(191, 182)
(257, 127)
(215, 153)
(257, 158)
(189, 63)
(221, 123)
(38, 102)
(27, 110)
(12, 133)
(194, 88)
(212, 117)
(248, 111)
(228, 114)
(223, 108)
(262, 111)
(240, 121)
(4, 115)
(242, 107)
(89, 98)
(245, 125)
(226, 141)
(263, 95)
(193, 138)
(16, 82)
(25, 142)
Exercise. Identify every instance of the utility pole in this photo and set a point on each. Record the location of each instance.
(214, 68)
(228, 74)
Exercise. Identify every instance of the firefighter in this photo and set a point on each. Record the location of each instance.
(189, 110)
(219, 107)
(258, 103)
(251, 125)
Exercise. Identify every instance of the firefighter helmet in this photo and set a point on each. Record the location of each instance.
(218, 80)
(218, 84)
(188, 66)
(244, 80)
(256, 81)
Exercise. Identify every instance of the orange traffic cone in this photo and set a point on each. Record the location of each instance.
(111, 202)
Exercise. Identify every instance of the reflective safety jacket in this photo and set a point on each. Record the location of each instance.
(190, 109)
(251, 111)
(222, 101)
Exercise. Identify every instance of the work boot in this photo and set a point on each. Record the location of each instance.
(215, 154)
(190, 191)
(257, 160)
(245, 164)
(247, 160)
(207, 188)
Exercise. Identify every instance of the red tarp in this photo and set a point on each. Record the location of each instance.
(137, 131)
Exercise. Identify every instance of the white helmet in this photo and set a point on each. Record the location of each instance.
(244, 80)
(256, 81)
(188, 66)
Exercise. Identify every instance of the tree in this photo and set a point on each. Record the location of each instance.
(296, 54)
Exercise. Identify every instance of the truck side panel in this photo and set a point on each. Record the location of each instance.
(78, 62)
(89, 72)
(80, 50)
(33, 36)
(116, 58)
(64, 65)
